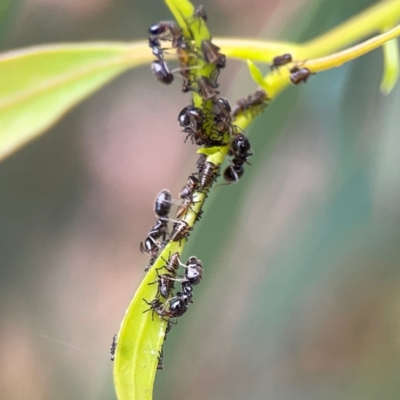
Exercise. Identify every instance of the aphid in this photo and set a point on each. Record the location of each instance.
(154, 304)
(161, 72)
(113, 347)
(191, 185)
(181, 231)
(212, 55)
(255, 102)
(206, 88)
(160, 359)
(163, 29)
(233, 173)
(184, 208)
(298, 75)
(208, 174)
(165, 285)
(172, 264)
(199, 163)
(162, 205)
(280, 60)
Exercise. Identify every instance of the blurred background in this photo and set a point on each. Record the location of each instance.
(300, 298)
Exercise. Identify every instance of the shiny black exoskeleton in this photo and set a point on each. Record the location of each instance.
(279, 61)
(190, 119)
(241, 148)
(161, 72)
(164, 29)
(152, 245)
(233, 173)
(222, 116)
(155, 46)
(241, 151)
(298, 75)
(162, 205)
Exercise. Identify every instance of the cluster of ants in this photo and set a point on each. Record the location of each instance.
(209, 126)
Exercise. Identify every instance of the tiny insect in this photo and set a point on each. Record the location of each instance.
(184, 208)
(162, 204)
(181, 231)
(256, 103)
(200, 162)
(241, 148)
(160, 359)
(298, 75)
(190, 187)
(164, 29)
(155, 46)
(233, 173)
(113, 347)
(208, 175)
(173, 308)
(190, 119)
(222, 116)
(206, 89)
(212, 55)
(161, 72)
(279, 61)
(172, 264)
(165, 285)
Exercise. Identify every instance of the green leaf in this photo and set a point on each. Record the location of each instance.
(140, 339)
(391, 66)
(40, 84)
(255, 73)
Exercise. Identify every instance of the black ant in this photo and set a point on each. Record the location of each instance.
(190, 119)
(163, 29)
(298, 75)
(162, 206)
(174, 307)
(161, 72)
(241, 150)
(279, 61)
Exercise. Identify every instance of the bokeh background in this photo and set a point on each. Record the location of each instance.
(300, 298)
